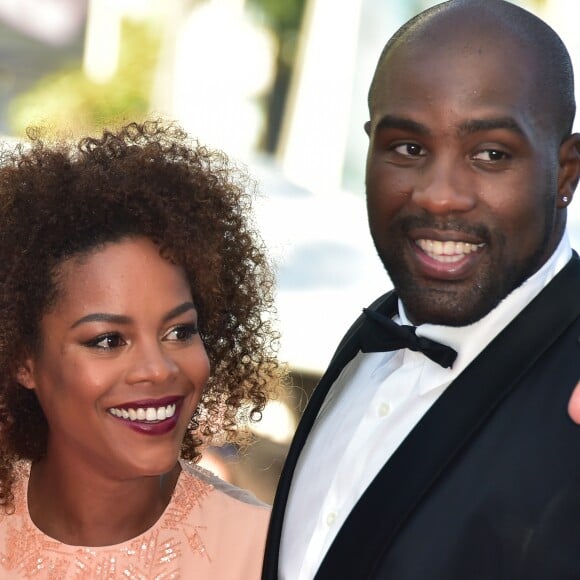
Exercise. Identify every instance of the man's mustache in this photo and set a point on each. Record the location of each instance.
(411, 222)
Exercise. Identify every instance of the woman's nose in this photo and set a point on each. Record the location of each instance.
(152, 364)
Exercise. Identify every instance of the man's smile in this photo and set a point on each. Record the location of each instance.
(447, 251)
(443, 259)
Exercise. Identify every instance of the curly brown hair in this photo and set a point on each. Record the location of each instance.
(62, 200)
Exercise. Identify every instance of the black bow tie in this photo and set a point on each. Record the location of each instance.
(379, 333)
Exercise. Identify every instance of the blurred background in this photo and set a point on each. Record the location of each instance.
(280, 85)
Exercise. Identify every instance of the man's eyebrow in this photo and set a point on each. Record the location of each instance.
(471, 126)
(477, 125)
(394, 122)
(122, 319)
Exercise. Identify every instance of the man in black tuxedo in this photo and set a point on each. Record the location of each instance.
(440, 447)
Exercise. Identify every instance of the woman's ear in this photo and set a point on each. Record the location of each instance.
(569, 170)
(25, 374)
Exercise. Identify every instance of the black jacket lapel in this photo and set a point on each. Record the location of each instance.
(346, 350)
(416, 466)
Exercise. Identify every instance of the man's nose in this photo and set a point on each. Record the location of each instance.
(444, 187)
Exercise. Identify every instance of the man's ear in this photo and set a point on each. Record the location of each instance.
(569, 170)
(25, 374)
(367, 127)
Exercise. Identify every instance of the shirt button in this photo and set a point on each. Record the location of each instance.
(330, 518)
(384, 409)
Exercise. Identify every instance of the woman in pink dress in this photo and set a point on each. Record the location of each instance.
(132, 298)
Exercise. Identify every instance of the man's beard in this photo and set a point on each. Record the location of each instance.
(449, 302)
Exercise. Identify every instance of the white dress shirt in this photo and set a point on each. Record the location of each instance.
(371, 407)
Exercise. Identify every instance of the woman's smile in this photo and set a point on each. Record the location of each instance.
(149, 417)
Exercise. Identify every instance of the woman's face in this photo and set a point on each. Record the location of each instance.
(121, 365)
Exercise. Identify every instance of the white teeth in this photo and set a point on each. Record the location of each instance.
(448, 251)
(449, 248)
(144, 414)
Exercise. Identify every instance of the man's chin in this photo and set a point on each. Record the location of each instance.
(444, 302)
(445, 310)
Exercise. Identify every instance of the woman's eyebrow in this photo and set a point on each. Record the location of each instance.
(185, 307)
(102, 317)
(122, 319)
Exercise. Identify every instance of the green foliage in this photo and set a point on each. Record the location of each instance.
(67, 101)
(281, 16)
(284, 19)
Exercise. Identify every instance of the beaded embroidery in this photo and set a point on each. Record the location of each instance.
(154, 555)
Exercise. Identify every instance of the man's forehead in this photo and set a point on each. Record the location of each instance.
(503, 43)
(478, 77)
(459, 56)
(456, 49)
(462, 33)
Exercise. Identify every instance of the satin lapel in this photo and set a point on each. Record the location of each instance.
(346, 350)
(416, 466)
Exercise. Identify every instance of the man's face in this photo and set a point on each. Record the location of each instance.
(462, 177)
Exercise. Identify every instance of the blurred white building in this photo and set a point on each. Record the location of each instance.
(323, 149)
(216, 64)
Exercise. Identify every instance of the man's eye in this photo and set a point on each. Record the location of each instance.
(182, 333)
(107, 341)
(491, 155)
(409, 150)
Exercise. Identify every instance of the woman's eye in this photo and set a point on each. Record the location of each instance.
(107, 341)
(409, 150)
(491, 155)
(181, 333)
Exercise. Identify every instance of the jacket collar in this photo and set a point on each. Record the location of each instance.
(413, 469)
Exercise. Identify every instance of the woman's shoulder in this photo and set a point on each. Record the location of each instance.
(231, 522)
(201, 480)
(224, 526)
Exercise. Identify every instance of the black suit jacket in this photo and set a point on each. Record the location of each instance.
(479, 489)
